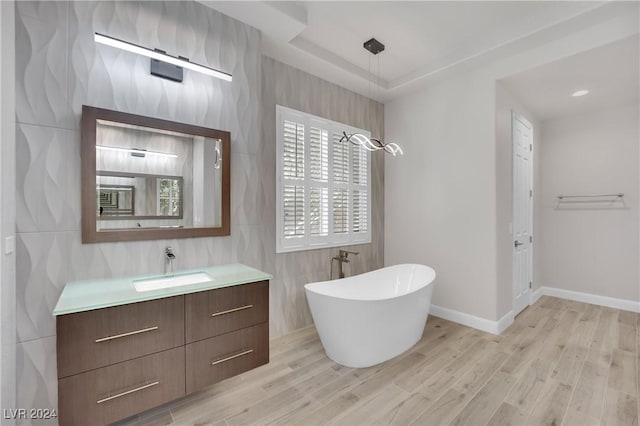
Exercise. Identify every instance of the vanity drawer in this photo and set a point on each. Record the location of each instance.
(215, 312)
(215, 359)
(92, 339)
(111, 393)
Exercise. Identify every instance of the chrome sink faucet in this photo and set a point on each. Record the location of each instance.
(168, 261)
(342, 257)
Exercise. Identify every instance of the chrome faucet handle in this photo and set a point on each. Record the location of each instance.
(168, 251)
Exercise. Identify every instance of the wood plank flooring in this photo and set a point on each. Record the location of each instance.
(560, 363)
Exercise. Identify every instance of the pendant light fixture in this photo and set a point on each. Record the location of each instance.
(372, 144)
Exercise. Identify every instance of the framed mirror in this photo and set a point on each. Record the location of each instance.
(145, 178)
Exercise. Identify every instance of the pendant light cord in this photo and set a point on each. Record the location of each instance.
(378, 80)
(369, 77)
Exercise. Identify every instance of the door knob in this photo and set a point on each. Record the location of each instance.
(517, 243)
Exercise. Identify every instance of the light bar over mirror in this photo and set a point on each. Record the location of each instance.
(135, 152)
(160, 68)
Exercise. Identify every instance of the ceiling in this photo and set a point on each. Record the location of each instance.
(611, 73)
(422, 38)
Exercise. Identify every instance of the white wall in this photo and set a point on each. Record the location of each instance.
(7, 209)
(441, 197)
(593, 249)
(505, 104)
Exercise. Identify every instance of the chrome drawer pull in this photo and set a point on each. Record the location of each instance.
(241, 308)
(131, 333)
(100, 401)
(232, 357)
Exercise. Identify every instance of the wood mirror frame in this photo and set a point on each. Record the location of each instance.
(90, 234)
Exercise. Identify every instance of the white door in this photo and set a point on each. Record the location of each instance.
(522, 140)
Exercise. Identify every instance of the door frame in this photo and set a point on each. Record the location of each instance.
(517, 116)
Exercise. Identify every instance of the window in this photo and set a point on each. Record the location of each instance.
(168, 197)
(323, 185)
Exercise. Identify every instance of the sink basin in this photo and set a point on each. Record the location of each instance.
(171, 281)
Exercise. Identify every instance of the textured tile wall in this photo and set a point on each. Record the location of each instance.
(290, 87)
(59, 68)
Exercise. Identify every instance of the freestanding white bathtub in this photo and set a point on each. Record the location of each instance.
(370, 318)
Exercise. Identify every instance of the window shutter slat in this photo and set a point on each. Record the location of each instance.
(318, 154)
(359, 165)
(293, 144)
(319, 211)
(340, 211)
(293, 211)
(340, 161)
(360, 212)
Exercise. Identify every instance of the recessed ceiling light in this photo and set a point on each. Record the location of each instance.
(580, 93)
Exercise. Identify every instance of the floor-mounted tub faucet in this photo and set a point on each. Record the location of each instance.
(342, 257)
(168, 261)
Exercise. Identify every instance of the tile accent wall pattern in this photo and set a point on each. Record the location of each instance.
(59, 68)
(290, 87)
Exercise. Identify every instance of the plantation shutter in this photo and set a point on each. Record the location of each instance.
(323, 184)
(360, 195)
(293, 173)
(340, 159)
(293, 164)
(319, 178)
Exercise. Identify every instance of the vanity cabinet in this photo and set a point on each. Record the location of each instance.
(212, 360)
(220, 311)
(107, 394)
(93, 339)
(117, 361)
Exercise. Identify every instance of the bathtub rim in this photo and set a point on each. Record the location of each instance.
(309, 287)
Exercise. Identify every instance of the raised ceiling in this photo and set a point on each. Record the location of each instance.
(611, 73)
(422, 38)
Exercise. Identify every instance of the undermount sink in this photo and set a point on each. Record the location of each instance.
(171, 281)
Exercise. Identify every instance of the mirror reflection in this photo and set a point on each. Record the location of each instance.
(154, 178)
(122, 195)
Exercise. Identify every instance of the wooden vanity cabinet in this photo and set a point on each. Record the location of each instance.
(212, 360)
(227, 332)
(93, 339)
(107, 394)
(119, 361)
(214, 312)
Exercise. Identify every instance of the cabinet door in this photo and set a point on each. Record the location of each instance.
(112, 393)
(217, 358)
(93, 339)
(214, 312)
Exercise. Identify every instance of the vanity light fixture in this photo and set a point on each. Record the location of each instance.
(136, 152)
(579, 93)
(120, 188)
(372, 144)
(162, 64)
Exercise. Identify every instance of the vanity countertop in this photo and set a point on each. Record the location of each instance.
(79, 296)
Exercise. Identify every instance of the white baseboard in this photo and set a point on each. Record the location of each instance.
(537, 294)
(493, 327)
(497, 327)
(505, 322)
(594, 299)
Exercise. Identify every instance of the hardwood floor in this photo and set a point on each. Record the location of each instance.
(560, 363)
